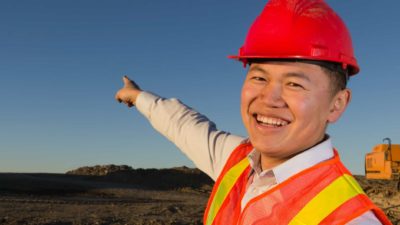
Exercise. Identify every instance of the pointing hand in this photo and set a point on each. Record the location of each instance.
(128, 93)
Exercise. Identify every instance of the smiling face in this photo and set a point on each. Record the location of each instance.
(286, 107)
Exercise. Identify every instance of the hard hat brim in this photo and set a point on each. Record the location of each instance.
(352, 68)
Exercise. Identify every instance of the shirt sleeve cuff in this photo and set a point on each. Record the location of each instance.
(144, 103)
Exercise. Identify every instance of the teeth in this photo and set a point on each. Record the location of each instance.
(271, 121)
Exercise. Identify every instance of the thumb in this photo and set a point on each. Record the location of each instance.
(127, 81)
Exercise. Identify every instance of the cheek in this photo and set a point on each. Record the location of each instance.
(247, 96)
(311, 111)
(302, 108)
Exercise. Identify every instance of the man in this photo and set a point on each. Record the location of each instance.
(287, 172)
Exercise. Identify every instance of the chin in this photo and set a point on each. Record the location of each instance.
(267, 148)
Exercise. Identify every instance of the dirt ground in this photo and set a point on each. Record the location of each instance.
(171, 196)
(178, 198)
(385, 195)
(154, 207)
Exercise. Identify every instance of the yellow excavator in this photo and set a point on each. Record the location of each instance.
(383, 162)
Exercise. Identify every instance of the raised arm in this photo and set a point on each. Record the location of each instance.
(189, 130)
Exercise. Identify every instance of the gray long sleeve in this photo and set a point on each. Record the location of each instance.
(193, 133)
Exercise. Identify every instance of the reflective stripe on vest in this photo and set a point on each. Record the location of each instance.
(314, 213)
(225, 187)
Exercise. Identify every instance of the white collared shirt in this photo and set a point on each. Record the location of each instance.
(265, 180)
(209, 148)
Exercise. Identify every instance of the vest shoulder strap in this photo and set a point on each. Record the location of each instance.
(236, 165)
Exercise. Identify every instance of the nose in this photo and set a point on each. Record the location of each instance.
(271, 96)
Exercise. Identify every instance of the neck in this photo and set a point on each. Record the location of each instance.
(268, 162)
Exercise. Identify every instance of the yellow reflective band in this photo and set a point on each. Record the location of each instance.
(225, 187)
(329, 199)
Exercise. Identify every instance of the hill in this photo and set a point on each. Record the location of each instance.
(111, 194)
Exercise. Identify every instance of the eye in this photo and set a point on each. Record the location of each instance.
(295, 85)
(258, 78)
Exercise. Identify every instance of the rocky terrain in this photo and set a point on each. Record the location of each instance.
(384, 194)
(122, 195)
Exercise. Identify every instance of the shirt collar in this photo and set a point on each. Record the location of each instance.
(321, 152)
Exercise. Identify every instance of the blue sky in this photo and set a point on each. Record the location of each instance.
(62, 62)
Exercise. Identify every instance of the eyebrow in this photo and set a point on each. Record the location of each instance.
(257, 68)
(298, 75)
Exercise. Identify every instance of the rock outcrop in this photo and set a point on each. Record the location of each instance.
(99, 170)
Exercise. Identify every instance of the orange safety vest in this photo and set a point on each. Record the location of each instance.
(324, 194)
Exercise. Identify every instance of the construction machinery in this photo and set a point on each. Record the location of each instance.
(383, 162)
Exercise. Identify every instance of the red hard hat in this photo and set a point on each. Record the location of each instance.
(299, 29)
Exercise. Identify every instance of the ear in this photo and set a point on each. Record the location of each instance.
(339, 104)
